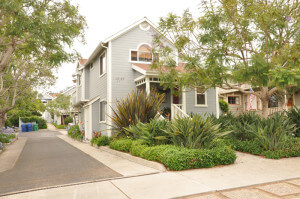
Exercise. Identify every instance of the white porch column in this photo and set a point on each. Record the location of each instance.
(147, 86)
(184, 99)
(217, 102)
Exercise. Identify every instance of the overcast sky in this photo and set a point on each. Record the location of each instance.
(106, 17)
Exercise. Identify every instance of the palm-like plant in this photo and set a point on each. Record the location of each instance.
(196, 132)
(136, 106)
(153, 133)
(273, 133)
(294, 116)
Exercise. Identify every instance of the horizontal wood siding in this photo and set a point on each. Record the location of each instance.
(97, 84)
(191, 102)
(97, 126)
(122, 73)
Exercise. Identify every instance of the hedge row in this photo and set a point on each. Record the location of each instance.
(177, 158)
(253, 147)
(40, 121)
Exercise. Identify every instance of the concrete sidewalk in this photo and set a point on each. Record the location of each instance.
(11, 154)
(250, 177)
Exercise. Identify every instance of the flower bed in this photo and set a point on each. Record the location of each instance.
(7, 135)
(100, 141)
(75, 133)
(177, 158)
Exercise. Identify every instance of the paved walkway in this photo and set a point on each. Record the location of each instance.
(47, 160)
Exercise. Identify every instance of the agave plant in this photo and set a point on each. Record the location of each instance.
(273, 133)
(153, 133)
(136, 106)
(240, 126)
(195, 132)
(294, 116)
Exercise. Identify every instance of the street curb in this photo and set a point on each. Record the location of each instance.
(147, 163)
(74, 184)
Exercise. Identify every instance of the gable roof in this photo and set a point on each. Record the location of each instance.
(82, 61)
(103, 44)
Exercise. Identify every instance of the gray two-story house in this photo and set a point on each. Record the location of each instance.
(120, 64)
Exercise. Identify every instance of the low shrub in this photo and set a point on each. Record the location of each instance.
(291, 149)
(121, 145)
(61, 126)
(75, 133)
(224, 106)
(68, 120)
(100, 141)
(248, 146)
(175, 157)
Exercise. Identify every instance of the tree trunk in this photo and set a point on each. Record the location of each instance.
(265, 112)
(3, 118)
(265, 101)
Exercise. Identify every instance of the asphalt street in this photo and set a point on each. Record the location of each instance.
(46, 160)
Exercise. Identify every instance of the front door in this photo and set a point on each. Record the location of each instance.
(88, 122)
(176, 98)
(290, 101)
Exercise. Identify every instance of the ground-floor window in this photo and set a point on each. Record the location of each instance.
(102, 111)
(235, 100)
(200, 97)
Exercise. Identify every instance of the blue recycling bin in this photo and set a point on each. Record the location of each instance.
(29, 127)
(24, 128)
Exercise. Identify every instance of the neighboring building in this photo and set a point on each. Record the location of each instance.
(45, 98)
(120, 64)
(59, 119)
(238, 102)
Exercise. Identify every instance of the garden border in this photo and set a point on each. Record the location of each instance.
(127, 156)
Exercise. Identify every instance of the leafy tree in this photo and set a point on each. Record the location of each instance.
(27, 106)
(234, 43)
(61, 105)
(34, 39)
(41, 29)
(18, 81)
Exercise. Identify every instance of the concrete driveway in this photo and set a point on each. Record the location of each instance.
(47, 160)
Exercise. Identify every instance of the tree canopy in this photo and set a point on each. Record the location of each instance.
(231, 43)
(60, 105)
(39, 28)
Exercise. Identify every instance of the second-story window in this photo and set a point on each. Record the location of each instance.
(79, 79)
(102, 64)
(143, 54)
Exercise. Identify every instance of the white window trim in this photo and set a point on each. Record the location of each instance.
(103, 100)
(104, 53)
(200, 105)
(137, 49)
(234, 96)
